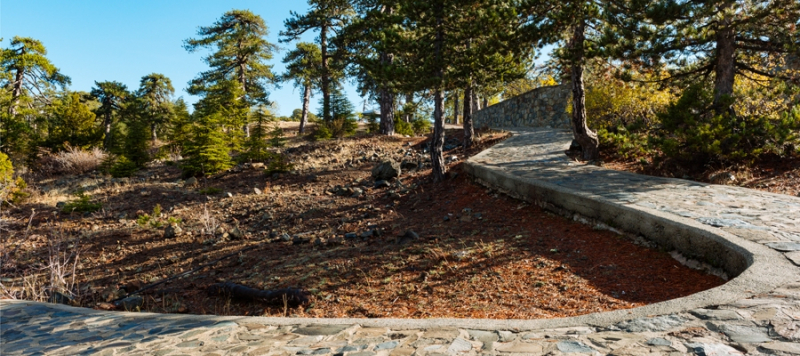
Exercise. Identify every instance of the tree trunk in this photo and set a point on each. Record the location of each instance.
(107, 130)
(469, 130)
(476, 105)
(16, 93)
(387, 112)
(326, 95)
(246, 129)
(304, 115)
(485, 102)
(725, 68)
(437, 141)
(455, 109)
(585, 137)
(153, 133)
(409, 100)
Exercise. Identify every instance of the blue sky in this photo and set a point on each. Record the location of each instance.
(91, 40)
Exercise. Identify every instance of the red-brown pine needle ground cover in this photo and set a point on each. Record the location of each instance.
(479, 254)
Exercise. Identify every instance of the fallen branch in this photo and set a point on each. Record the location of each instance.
(291, 297)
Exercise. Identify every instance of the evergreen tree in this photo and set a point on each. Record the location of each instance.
(304, 67)
(327, 17)
(32, 73)
(28, 81)
(181, 125)
(72, 123)
(241, 56)
(720, 39)
(207, 149)
(155, 91)
(257, 148)
(111, 96)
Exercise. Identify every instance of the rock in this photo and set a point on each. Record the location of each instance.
(350, 235)
(659, 341)
(386, 170)
(59, 298)
(133, 286)
(236, 233)
(131, 303)
(171, 231)
(447, 218)
(408, 165)
(572, 346)
(658, 323)
(723, 178)
(286, 237)
(785, 246)
(112, 293)
(191, 182)
(257, 191)
(257, 165)
(458, 346)
(219, 231)
(61, 204)
(745, 334)
(366, 234)
(357, 192)
(229, 194)
(713, 349)
(381, 184)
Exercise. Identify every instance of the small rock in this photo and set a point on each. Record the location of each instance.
(381, 184)
(191, 182)
(366, 234)
(60, 205)
(386, 170)
(59, 298)
(229, 194)
(357, 192)
(723, 178)
(257, 165)
(171, 231)
(350, 235)
(131, 303)
(236, 233)
(447, 218)
(571, 346)
(219, 231)
(257, 191)
(286, 237)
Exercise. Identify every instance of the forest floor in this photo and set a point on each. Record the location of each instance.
(412, 249)
(772, 174)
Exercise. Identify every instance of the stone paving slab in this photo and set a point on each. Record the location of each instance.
(754, 317)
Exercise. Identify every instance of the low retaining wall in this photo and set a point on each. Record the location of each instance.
(540, 107)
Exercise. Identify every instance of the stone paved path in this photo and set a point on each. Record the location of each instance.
(764, 323)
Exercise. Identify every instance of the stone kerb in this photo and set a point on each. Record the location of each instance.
(540, 173)
(540, 107)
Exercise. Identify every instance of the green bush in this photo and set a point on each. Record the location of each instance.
(210, 191)
(421, 126)
(321, 133)
(623, 142)
(123, 167)
(692, 130)
(6, 169)
(82, 205)
(279, 164)
(403, 128)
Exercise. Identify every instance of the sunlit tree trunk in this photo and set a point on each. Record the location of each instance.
(585, 137)
(304, 115)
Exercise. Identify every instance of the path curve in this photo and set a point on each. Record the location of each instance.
(750, 234)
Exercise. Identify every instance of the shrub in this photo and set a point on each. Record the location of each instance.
(692, 130)
(123, 167)
(82, 205)
(623, 142)
(279, 164)
(421, 126)
(321, 133)
(210, 191)
(73, 160)
(403, 128)
(11, 190)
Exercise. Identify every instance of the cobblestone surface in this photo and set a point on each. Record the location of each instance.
(767, 323)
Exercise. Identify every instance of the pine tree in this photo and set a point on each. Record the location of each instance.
(155, 90)
(207, 149)
(304, 67)
(72, 123)
(111, 96)
(719, 39)
(257, 148)
(327, 17)
(241, 56)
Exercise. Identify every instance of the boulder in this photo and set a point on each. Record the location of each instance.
(386, 170)
(172, 231)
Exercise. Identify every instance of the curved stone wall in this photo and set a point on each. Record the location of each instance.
(540, 107)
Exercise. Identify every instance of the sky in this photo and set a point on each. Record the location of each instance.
(91, 40)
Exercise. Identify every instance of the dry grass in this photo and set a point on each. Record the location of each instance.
(73, 160)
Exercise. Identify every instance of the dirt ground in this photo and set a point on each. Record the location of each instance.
(412, 249)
